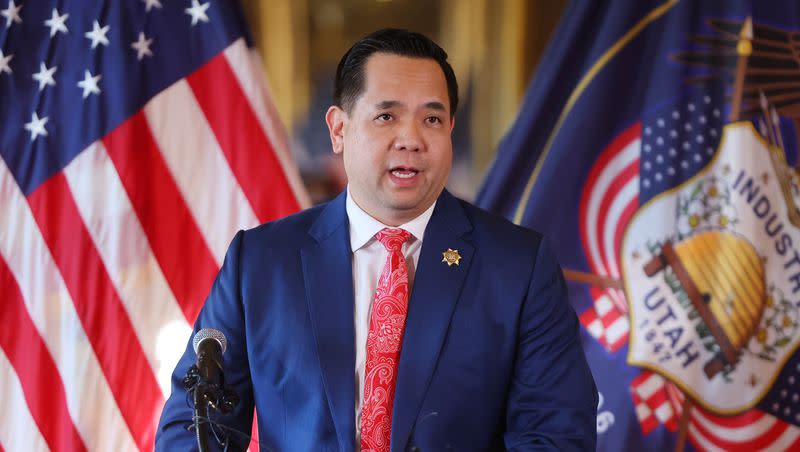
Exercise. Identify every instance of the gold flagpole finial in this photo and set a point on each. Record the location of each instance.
(745, 45)
(744, 48)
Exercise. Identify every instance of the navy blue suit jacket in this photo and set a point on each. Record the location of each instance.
(491, 358)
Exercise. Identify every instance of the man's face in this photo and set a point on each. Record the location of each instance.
(396, 140)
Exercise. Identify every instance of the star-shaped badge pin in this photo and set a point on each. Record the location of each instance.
(451, 257)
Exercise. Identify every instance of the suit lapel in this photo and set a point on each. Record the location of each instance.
(328, 276)
(437, 287)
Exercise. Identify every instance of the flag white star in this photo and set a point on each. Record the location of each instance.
(11, 13)
(57, 23)
(142, 46)
(149, 4)
(198, 12)
(36, 126)
(98, 34)
(4, 60)
(45, 76)
(89, 84)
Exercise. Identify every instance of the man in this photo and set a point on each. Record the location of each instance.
(323, 337)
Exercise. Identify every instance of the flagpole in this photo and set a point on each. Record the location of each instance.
(743, 48)
(683, 424)
(769, 125)
(592, 279)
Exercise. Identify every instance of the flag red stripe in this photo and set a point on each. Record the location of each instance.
(649, 422)
(640, 379)
(610, 195)
(627, 213)
(617, 145)
(657, 399)
(37, 371)
(176, 241)
(610, 317)
(759, 443)
(237, 129)
(254, 444)
(99, 307)
(741, 420)
(616, 345)
(588, 316)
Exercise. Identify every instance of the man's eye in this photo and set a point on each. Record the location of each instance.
(433, 120)
(384, 117)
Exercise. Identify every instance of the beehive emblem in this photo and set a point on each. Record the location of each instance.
(723, 276)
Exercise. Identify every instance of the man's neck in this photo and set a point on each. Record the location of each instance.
(391, 219)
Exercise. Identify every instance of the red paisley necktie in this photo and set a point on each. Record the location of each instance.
(386, 325)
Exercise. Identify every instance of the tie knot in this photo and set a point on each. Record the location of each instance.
(392, 239)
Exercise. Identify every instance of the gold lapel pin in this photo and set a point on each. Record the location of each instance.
(451, 257)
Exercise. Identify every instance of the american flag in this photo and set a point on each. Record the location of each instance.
(667, 147)
(136, 138)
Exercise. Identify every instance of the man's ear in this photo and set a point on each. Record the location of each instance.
(336, 119)
(452, 123)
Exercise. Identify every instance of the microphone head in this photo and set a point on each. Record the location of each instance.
(210, 333)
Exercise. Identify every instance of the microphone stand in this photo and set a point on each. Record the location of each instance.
(201, 421)
(208, 393)
(206, 381)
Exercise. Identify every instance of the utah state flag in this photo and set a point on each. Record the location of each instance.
(657, 149)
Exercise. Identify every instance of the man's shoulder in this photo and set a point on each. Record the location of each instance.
(498, 229)
(504, 247)
(287, 230)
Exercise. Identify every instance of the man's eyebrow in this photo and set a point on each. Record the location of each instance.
(387, 104)
(435, 106)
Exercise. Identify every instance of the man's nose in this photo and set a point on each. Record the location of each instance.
(408, 137)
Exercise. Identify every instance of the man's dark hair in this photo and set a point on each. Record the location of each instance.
(350, 74)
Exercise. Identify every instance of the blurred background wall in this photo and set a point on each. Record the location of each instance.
(494, 47)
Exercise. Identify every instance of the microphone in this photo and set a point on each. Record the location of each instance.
(206, 381)
(209, 345)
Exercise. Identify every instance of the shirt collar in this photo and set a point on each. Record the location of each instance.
(363, 227)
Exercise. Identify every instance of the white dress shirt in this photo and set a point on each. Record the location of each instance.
(369, 257)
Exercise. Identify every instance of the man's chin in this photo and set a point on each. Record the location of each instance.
(409, 206)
